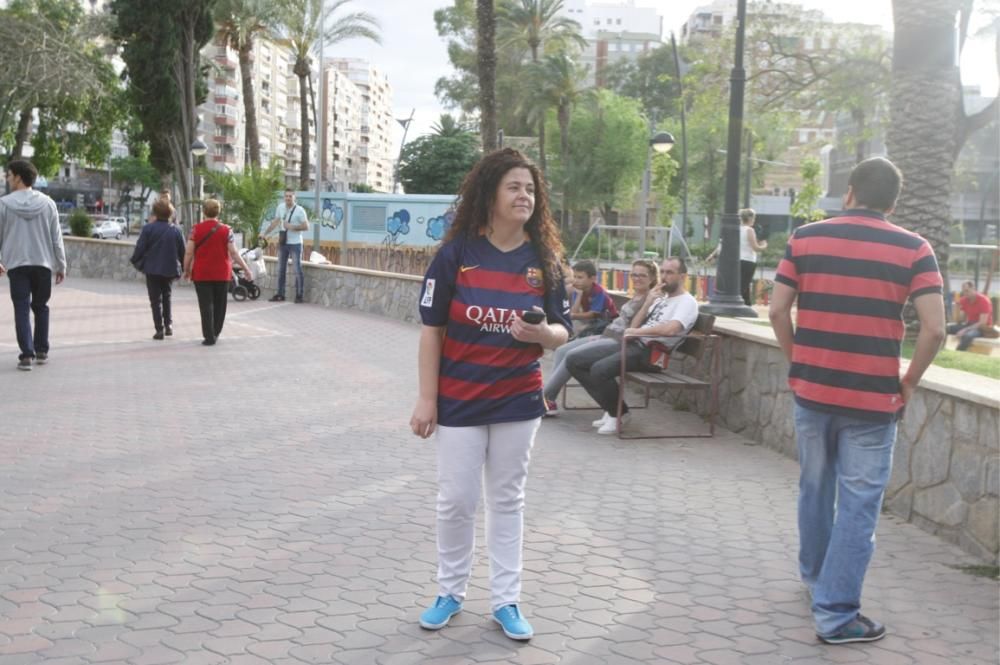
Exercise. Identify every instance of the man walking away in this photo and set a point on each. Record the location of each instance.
(31, 249)
(851, 276)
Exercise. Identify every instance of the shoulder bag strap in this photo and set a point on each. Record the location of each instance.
(207, 236)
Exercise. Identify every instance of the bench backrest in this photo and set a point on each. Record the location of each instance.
(694, 344)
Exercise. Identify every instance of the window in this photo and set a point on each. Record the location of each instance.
(618, 21)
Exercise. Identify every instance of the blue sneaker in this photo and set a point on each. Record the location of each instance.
(440, 613)
(515, 626)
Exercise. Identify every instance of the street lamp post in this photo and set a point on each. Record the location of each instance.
(726, 300)
(661, 142)
(198, 150)
(684, 140)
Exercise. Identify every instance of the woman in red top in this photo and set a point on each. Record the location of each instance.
(208, 261)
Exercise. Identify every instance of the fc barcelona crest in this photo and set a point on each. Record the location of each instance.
(534, 277)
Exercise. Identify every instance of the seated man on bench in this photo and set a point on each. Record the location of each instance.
(668, 314)
(977, 317)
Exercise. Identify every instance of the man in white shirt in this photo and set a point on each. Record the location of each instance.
(668, 314)
(289, 222)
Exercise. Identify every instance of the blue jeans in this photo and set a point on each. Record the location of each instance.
(965, 341)
(845, 465)
(295, 251)
(30, 289)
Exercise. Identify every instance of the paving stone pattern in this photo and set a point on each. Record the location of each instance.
(262, 501)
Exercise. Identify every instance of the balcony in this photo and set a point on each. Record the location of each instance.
(224, 139)
(226, 61)
(225, 120)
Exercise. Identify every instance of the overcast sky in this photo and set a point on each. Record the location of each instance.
(414, 57)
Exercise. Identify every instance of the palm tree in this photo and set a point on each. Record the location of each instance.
(556, 81)
(300, 27)
(924, 138)
(447, 126)
(486, 64)
(238, 22)
(537, 25)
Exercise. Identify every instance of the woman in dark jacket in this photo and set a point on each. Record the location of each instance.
(158, 253)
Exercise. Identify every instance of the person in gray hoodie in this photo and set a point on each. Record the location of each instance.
(31, 249)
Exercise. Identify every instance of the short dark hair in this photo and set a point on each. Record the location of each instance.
(586, 266)
(289, 189)
(680, 263)
(24, 170)
(876, 183)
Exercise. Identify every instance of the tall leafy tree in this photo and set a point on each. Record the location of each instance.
(651, 78)
(437, 163)
(300, 26)
(248, 196)
(74, 120)
(167, 83)
(486, 65)
(537, 25)
(239, 22)
(926, 101)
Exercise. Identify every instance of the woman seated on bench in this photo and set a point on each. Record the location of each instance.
(644, 276)
(668, 314)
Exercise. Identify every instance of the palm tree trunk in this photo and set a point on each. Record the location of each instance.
(487, 64)
(562, 114)
(304, 132)
(249, 106)
(21, 135)
(920, 74)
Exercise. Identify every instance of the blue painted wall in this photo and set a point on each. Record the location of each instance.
(375, 219)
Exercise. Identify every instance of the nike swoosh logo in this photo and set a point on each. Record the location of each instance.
(467, 268)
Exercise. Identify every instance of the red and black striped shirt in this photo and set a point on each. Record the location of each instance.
(853, 274)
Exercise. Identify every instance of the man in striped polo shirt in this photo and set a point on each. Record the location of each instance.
(851, 276)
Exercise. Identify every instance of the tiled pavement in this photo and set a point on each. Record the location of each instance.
(262, 501)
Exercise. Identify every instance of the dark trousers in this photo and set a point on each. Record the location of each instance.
(30, 289)
(747, 269)
(212, 299)
(597, 371)
(158, 287)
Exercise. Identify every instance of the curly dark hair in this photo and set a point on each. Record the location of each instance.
(478, 193)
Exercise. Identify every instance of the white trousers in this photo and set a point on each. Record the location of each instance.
(466, 455)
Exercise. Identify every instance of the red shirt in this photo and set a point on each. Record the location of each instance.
(212, 262)
(978, 306)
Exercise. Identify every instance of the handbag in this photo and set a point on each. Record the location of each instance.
(283, 234)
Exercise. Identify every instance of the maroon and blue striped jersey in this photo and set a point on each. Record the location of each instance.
(475, 290)
(853, 274)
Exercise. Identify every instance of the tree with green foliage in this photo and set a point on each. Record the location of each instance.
(663, 185)
(437, 163)
(133, 172)
(239, 22)
(538, 26)
(247, 196)
(300, 27)
(166, 83)
(71, 88)
(807, 198)
(607, 144)
(651, 78)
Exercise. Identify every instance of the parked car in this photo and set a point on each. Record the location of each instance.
(120, 221)
(107, 229)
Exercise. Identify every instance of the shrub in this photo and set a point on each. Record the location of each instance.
(80, 223)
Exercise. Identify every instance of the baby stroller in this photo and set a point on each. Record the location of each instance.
(239, 286)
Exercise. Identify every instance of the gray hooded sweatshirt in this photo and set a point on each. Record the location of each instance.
(29, 232)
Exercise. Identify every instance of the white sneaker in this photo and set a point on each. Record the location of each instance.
(611, 427)
(603, 419)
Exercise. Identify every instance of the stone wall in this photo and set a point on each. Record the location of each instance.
(946, 469)
(946, 465)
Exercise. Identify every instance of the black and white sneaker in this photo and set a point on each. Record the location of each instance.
(24, 364)
(41, 358)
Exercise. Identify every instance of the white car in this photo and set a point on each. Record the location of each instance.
(107, 229)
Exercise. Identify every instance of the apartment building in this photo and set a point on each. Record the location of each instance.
(340, 158)
(614, 32)
(374, 148)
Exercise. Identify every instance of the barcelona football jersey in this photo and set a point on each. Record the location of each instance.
(475, 291)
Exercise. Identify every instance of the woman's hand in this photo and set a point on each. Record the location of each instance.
(532, 333)
(424, 418)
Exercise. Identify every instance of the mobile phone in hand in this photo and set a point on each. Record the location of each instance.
(533, 317)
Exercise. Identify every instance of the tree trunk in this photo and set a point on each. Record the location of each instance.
(249, 106)
(21, 135)
(487, 64)
(562, 114)
(304, 132)
(924, 68)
